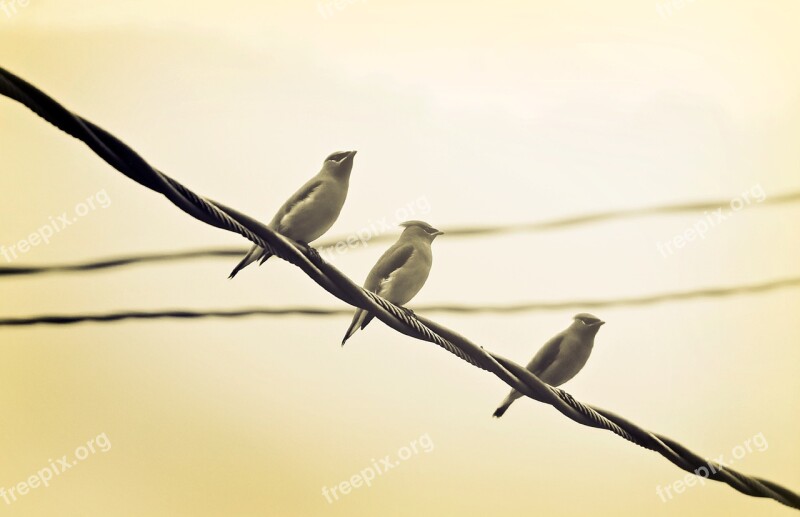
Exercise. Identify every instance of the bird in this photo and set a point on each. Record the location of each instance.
(401, 271)
(561, 358)
(312, 210)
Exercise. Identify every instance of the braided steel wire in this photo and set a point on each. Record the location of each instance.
(126, 161)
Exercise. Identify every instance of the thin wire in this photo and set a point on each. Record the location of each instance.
(111, 263)
(125, 160)
(716, 292)
(327, 245)
(601, 217)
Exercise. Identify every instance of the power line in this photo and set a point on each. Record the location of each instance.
(612, 215)
(125, 160)
(111, 263)
(459, 231)
(714, 292)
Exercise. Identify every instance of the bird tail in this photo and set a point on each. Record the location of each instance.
(252, 255)
(500, 411)
(360, 320)
(265, 257)
(366, 321)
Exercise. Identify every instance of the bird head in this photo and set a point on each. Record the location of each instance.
(586, 323)
(339, 163)
(420, 229)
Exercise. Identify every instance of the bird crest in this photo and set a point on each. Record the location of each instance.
(422, 225)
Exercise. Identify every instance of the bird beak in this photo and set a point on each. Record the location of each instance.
(600, 323)
(349, 157)
(437, 233)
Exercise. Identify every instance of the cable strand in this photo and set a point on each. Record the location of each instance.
(126, 161)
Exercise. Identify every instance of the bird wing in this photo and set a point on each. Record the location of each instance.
(390, 262)
(294, 204)
(546, 355)
(544, 358)
(387, 267)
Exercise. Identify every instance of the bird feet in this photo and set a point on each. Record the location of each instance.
(313, 254)
(408, 311)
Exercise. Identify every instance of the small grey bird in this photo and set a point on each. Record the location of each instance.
(312, 210)
(400, 272)
(561, 358)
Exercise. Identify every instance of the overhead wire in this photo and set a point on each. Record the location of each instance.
(125, 160)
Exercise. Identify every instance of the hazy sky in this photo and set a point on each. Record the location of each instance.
(466, 113)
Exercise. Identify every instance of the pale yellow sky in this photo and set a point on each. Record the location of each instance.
(491, 112)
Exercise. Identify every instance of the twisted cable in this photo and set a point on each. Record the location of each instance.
(125, 160)
(634, 301)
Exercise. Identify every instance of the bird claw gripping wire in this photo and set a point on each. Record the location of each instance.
(408, 311)
(124, 159)
(313, 254)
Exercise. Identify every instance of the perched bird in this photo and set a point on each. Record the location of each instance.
(312, 210)
(561, 358)
(401, 271)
